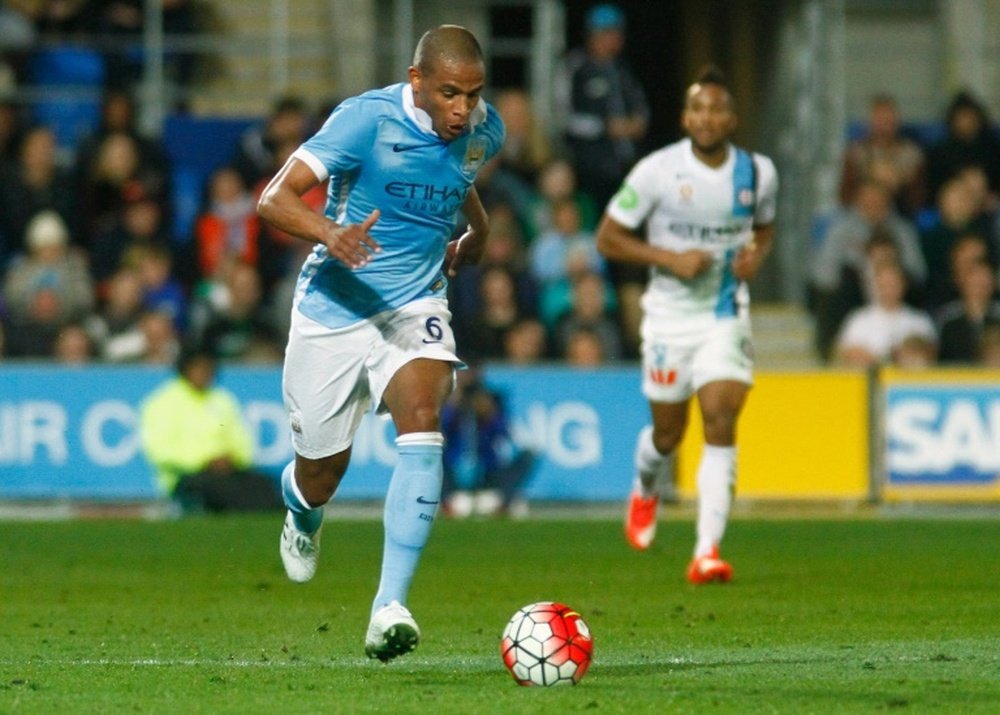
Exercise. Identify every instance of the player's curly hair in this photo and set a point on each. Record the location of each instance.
(711, 74)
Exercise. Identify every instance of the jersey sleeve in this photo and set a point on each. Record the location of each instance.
(767, 191)
(637, 196)
(494, 130)
(343, 141)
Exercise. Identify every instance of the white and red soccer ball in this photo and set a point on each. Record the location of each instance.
(545, 644)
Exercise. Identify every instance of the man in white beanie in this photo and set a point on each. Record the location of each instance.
(44, 289)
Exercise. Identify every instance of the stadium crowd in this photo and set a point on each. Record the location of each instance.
(92, 268)
(906, 270)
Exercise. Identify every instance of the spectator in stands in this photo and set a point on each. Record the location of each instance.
(525, 343)
(606, 120)
(161, 292)
(115, 328)
(73, 345)
(45, 289)
(194, 436)
(504, 249)
(116, 175)
(482, 338)
(526, 148)
(965, 253)
(990, 347)
(558, 256)
(856, 288)
(233, 325)
(118, 114)
(589, 312)
(971, 140)
(33, 184)
(509, 178)
(226, 232)
(872, 333)
(552, 249)
(960, 213)
(140, 222)
(11, 131)
(557, 182)
(840, 261)
(916, 352)
(556, 185)
(584, 348)
(604, 106)
(287, 123)
(485, 471)
(17, 37)
(884, 155)
(160, 341)
(960, 323)
(65, 17)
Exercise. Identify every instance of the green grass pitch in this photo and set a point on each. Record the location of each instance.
(196, 616)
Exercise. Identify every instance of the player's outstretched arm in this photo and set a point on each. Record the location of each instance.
(620, 243)
(468, 248)
(282, 206)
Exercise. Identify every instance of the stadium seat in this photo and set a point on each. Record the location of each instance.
(70, 80)
(197, 146)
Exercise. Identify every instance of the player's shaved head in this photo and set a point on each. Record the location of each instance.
(450, 44)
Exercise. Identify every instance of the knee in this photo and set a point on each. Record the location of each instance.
(720, 427)
(318, 479)
(666, 440)
(421, 417)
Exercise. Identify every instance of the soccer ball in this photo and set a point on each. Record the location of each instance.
(546, 644)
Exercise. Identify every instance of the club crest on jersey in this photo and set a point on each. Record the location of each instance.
(659, 373)
(626, 197)
(686, 193)
(475, 153)
(745, 197)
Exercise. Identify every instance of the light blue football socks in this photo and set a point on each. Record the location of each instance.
(410, 505)
(307, 519)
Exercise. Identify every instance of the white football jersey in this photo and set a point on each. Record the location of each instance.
(689, 205)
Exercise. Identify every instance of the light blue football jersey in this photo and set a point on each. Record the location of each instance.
(380, 153)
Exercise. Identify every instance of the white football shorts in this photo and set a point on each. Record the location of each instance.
(332, 377)
(680, 356)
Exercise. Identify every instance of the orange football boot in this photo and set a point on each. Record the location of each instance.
(640, 520)
(709, 568)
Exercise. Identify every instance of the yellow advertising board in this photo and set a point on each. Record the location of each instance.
(802, 436)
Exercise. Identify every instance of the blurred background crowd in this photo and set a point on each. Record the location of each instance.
(96, 266)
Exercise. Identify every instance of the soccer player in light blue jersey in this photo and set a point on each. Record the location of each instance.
(370, 321)
(707, 208)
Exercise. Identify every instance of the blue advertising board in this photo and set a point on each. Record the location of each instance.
(943, 435)
(73, 432)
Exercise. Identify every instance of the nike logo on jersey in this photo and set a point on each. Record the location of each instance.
(421, 500)
(408, 147)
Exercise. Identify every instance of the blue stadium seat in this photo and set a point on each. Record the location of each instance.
(70, 80)
(197, 146)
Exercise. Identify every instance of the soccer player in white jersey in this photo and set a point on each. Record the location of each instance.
(708, 207)
(370, 321)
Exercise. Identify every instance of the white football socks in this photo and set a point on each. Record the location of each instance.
(716, 484)
(652, 469)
